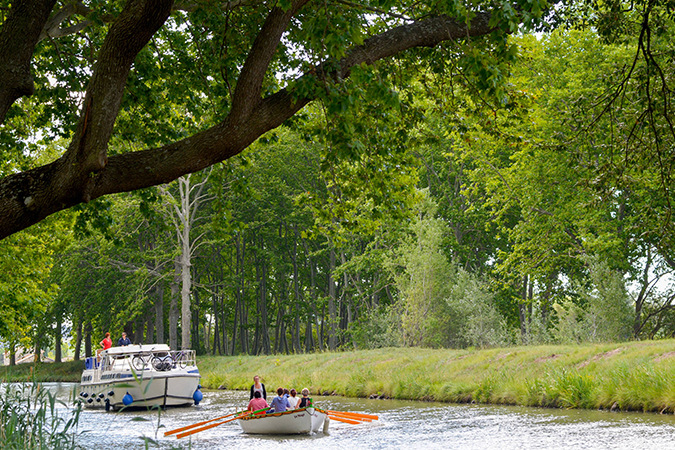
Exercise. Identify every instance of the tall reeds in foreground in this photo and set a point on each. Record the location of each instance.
(30, 418)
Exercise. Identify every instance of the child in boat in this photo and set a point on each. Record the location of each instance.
(257, 403)
(280, 402)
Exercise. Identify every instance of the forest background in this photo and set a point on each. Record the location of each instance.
(439, 199)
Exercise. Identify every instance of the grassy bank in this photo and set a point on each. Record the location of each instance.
(68, 371)
(628, 376)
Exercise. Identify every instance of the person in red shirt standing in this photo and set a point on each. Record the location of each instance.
(106, 343)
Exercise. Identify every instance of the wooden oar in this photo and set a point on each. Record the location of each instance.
(354, 415)
(345, 420)
(177, 430)
(208, 427)
(344, 416)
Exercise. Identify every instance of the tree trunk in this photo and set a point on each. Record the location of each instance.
(78, 339)
(58, 336)
(296, 290)
(149, 327)
(522, 309)
(173, 309)
(332, 304)
(87, 340)
(186, 287)
(159, 313)
(216, 319)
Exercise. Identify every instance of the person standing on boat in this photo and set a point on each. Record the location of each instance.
(280, 402)
(257, 403)
(106, 343)
(258, 387)
(124, 340)
(293, 400)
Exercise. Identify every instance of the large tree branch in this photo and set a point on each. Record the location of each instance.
(247, 93)
(31, 196)
(18, 36)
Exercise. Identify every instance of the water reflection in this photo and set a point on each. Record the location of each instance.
(410, 425)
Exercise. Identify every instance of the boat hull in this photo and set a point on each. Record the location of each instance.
(299, 421)
(173, 389)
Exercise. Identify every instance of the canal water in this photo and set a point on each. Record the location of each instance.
(402, 425)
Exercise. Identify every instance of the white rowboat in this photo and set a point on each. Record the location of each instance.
(298, 421)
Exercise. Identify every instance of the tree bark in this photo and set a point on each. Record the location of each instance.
(78, 339)
(18, 36)
(332, 304)
(58, 336)
(173, 308)
(87, 340)
(159, 312)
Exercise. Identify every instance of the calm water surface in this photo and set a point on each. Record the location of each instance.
(402, 424)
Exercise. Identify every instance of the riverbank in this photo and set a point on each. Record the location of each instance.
(70, 371)
(634, 376)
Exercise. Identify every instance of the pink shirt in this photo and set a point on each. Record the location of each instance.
(256, 404)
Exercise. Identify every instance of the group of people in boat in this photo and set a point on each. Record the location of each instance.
(284, 401)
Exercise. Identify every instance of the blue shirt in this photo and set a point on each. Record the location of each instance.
(123, 341)
(280, 404)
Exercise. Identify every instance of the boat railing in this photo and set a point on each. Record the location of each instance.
(160, 361)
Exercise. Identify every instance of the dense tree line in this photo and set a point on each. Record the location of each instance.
(436, 199)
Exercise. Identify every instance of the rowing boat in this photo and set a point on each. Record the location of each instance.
(298, 421)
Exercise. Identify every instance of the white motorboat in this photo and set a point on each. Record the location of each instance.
(298, 421)
(140, 376)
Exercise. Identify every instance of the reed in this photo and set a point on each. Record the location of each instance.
(636, 376)
(30, 419)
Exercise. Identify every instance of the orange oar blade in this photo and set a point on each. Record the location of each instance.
(345, 420)
(354, 415)
(187, 427)
(207, 427)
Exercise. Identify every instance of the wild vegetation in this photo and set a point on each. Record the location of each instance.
(30, 419)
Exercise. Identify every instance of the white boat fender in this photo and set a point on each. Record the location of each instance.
(326, 424)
